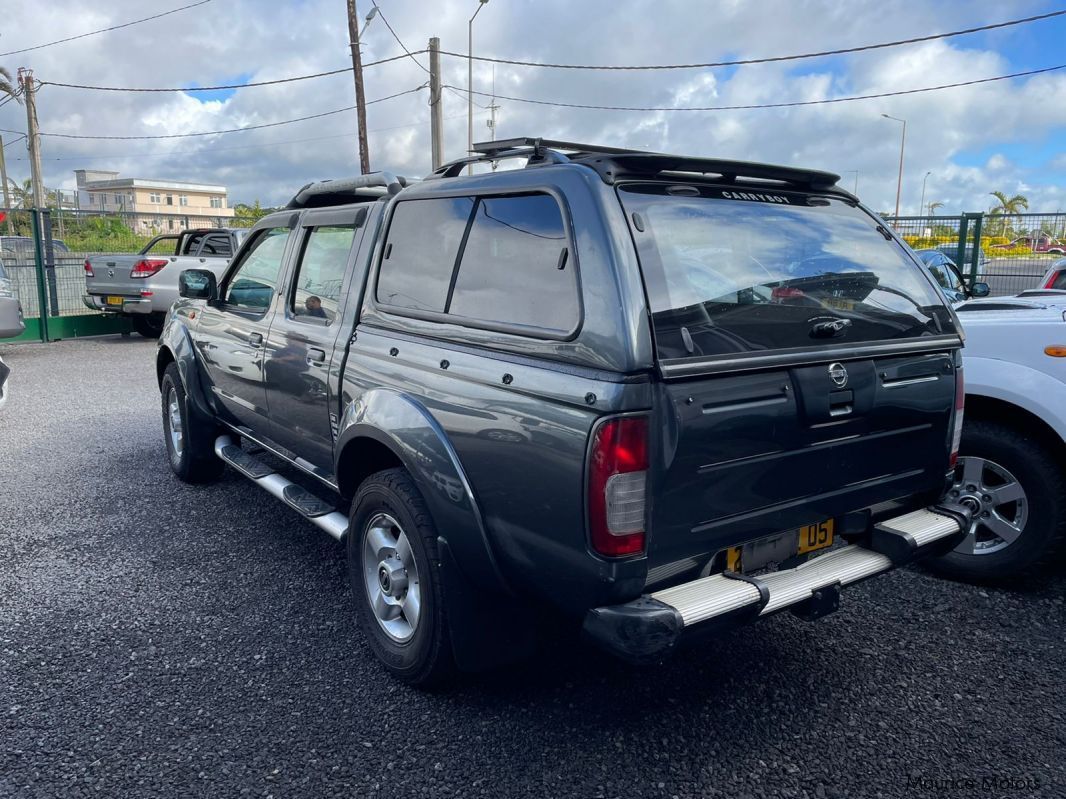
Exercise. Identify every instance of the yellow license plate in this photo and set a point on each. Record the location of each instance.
(840, 303)
(815, 536)
(115, 300)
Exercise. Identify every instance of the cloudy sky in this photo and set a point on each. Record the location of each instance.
(1009, 135)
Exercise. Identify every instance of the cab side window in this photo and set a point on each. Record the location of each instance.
(256, 278)
(320, 273)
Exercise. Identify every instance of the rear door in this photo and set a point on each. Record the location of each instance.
(808, 365)
(231, 335)
(306, 334)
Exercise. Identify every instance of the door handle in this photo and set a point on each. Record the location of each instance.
(255, 339)
(315, 356)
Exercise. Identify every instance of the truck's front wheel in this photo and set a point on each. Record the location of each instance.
(1017, 491)
(395, 577)
(190, 439)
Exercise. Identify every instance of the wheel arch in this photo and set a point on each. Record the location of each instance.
(1000, 411)
(385, 428)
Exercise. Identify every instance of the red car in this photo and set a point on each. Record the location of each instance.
(1041, 243)
(1056, 276)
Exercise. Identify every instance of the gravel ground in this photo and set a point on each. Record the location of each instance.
(164, 640)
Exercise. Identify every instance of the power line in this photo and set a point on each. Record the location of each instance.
(202, 150)
(105, 30)
(223, 88)
(767, 60)
(768, 105)
(228, 130)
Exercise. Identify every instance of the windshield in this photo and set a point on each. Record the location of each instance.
(730, 272)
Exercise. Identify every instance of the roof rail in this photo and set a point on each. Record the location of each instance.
(322, 193)
(613, 163)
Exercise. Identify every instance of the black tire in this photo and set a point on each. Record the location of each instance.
(425, 658)
(1040, 474)
(194, 461)
(149, 325)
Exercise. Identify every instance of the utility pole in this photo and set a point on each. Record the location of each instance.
(33, 137)
(360, 98)
(436, 109)
(7, 193)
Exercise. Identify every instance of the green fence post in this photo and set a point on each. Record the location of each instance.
(960, 252)
(42, 291)
(976, 260)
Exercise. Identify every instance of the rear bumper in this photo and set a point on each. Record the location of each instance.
(650, 626)
(130, 305)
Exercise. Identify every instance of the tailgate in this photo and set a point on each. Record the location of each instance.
(111, 275)
(748, 455)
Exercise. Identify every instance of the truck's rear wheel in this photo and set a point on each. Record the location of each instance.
(190, 439)
(395, 577)
(1018, 493)
(149, 325)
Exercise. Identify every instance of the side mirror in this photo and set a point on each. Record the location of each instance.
(979, 290)
(198, 284)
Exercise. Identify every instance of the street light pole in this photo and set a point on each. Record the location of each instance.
(470, 85)
(902, 144)
(921, 208)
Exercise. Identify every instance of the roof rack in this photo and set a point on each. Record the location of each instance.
(323, 193)
(613, 163)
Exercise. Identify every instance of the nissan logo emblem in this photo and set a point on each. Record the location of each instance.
(838, 374)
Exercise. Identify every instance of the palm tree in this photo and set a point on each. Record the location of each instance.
(1007, 206)
(933, 207)
(7, 86)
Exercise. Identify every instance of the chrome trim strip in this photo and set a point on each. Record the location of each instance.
(909, 381)
(676, 368)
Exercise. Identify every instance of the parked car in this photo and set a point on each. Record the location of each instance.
(11, 321)
(947, 276)
(20, 250)
(144, 286)
(1042, 243)
(1056, 276)
(1012, 464)
(657, 394)
(5, 373)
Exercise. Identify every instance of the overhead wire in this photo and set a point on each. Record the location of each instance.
(105, 30)
(752, 106)
(765, 60)
(227, 130)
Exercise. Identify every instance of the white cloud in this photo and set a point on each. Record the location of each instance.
(228, 38)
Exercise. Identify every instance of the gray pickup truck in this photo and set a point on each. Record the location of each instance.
(145, 285)
(651, 395)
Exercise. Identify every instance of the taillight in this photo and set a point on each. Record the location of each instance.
(960, 402)
(88, 267)
(617, 486)
(146, 267)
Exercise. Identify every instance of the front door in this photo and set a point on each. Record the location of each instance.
(231, 336)
(306, 333)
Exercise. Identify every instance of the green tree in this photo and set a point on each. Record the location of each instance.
(934, 207)
(247, 215)
(1006, 206)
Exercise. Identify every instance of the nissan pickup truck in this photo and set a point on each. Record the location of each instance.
(145, 285)
(1012, 463)
(646, 395)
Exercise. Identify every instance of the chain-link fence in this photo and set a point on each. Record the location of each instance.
(1009, 252)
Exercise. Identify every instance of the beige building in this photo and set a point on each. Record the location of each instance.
(160, 205)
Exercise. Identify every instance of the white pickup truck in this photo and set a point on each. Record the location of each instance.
(145, 285)
(1012, 464)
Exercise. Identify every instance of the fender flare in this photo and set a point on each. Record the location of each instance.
(176, 341)
(1017, 384)
(401, 423)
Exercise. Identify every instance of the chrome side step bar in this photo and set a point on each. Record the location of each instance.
(296, 497)
(720, 594)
